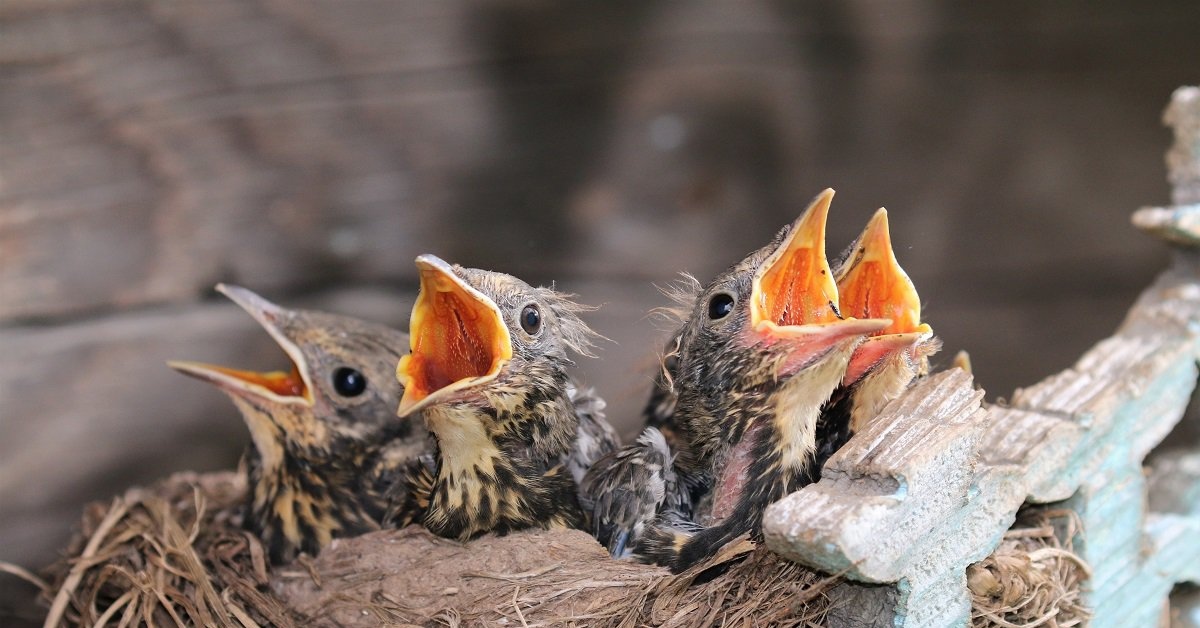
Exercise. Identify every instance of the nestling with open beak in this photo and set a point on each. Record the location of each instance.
(326, 443)
(871, 284)
(488, 370)
(763, 349)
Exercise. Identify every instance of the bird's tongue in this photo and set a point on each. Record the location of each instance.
(457, 336)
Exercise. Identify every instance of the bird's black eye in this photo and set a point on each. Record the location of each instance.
(531, 319)
(349, 382)
(720, 305)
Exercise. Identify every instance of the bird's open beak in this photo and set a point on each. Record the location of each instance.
(457, 334)
(794, 297)
(286, 387)
(871, 284)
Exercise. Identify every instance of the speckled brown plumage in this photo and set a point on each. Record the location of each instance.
(761, 350)
(326, 443)
(496, 395)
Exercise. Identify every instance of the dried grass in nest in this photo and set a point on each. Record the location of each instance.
(1034, 577)
(174, 555)
(169, 555)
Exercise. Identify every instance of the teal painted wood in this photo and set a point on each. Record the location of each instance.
(932, 485)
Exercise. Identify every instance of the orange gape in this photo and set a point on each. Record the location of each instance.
(454, 341)
(797, 287)
(876, 286)
(877, 292)
(288, 384)
(792, 293)
(457, 334)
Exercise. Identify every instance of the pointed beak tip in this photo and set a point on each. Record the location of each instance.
(178, 366)
(407, 407)
(186, 367)
(820, 205)
(237, 294)
(880, 218)
(878, 237)
(429, 261)
(255, 305)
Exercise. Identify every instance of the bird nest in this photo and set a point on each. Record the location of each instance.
(174, 555)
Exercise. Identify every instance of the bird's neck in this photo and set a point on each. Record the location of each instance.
(500, 466)
(303, 495)
(796, 406)
(774, 446)
(878, 387)
(466, 447)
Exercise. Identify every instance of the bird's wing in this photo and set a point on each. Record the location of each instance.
(595, 437)
(679, 543)
(630, 487)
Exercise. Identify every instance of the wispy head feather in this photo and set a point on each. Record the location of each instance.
(576, 334)
(669, 361)
(682, 292)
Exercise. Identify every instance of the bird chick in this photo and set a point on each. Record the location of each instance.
(488, 370)
(871, 284)
(326, 445)
(761, 352)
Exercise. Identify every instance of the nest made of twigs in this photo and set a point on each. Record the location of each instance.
(1034, 577)
(175, 555)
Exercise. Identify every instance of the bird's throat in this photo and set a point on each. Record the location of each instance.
(466, 448)
(797, 406)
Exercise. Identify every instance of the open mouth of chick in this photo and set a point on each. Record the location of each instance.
(458, 338)
(795, 286)
(871, 284)
(286, 386)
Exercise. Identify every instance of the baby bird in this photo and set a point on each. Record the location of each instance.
(761, 352)
(871, 284)
(326, 445)
(488, 370)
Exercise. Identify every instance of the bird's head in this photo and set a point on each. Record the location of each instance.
(871, 284)
(767, 320)
(339, 384)
(488, 344)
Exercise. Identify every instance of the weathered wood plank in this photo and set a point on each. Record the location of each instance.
(1080, 435)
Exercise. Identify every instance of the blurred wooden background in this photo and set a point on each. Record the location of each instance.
(310, 150)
